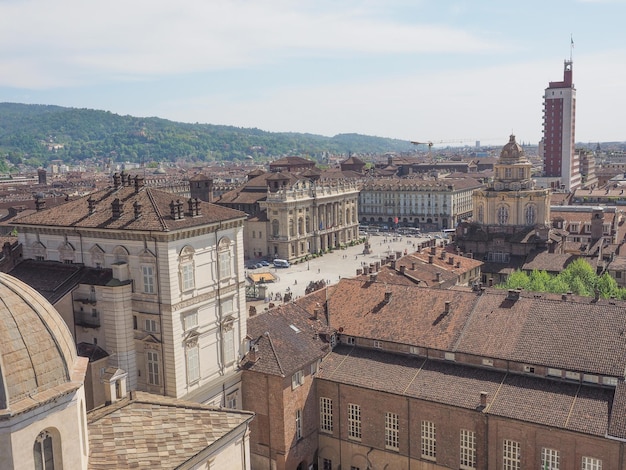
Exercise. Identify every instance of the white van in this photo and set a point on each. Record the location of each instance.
(281, 263)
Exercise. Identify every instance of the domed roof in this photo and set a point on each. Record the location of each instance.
(37, 351)
(512, 152)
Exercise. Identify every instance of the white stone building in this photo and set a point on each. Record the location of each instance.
(171, 314)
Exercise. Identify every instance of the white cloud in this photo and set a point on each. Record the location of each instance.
(65, 41)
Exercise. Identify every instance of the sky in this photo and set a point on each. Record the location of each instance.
(422, 70)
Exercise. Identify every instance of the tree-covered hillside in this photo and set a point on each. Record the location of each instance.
(35, 134)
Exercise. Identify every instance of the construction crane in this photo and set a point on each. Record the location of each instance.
(430, 143)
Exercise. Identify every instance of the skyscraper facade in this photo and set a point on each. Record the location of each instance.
(560, 162)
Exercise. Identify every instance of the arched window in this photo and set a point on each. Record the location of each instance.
(291, 228)
(481, 213)
(531, 214)
(503, 215)
(43, 452)
(307, 224)
(120, 254)
(275, 227)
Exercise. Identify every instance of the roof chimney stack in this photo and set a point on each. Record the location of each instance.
(446, 309)
(387, 297)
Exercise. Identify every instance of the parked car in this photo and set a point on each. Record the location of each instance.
(281, 263)
(258, 265)
(264, 263)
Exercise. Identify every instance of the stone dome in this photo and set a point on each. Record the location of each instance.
(512, 152)
(37, 351)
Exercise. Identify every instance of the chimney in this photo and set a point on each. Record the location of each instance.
(451, 260)
(413, 264)
(483, 399)
(253, 354)
(91, 205)
(176, 210)
(252, 311)
(402, 269)
(513, 294)
(446, 308)
(117, 208)
(124, 178)
(458, 264)
(138, 183)
(431, 258)
(359, 271)
(137, 209)
(116, 180)
(373, 277)
(40, 203)
(387, 297)
(433, 250)
(439, 277)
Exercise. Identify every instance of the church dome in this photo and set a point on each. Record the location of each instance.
(512, 152)
(37, 351)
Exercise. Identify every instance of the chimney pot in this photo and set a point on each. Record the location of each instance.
(438, 277)
(402, 269)
(430, 259)
(387, 297)
(413, 266)
(483, 399)
(447, 306)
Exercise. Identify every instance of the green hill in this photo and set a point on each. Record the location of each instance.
(35, 134)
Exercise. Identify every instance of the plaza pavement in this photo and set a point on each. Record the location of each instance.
(331, 267)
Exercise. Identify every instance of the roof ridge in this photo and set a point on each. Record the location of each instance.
(280, 366)
(156, 209)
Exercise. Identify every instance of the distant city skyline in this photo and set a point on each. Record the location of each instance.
(455, 71)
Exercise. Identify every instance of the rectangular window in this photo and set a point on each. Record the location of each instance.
(315, 366)
(350, 340)
(188, 278)
(298, 424)
(414, 350)
(190, 320)
(354, 421)
(549, 459)
(148, 278)
(554, 372)
(326, 414)
(591, 463)
(511, 455)
(378, 344)
(151, 326)
(327, 464)
(392, 427)
(449, 356)
(224, 264)
(609, 381)
(297, 379)
(153, 368)
(429, 441)
(231, 400)
(468, 449)
(193, 364)
(229, 345)
(487, 362)
(572, 375)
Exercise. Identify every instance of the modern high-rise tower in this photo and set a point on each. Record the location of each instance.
(560, 163)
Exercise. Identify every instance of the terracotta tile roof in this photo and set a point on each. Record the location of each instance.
(555, 404)
(287, 338)
(413, 315)
(566, 406)
(151, 431)
(542, 329)
(551, 262)
(617, 425)
(155, 212)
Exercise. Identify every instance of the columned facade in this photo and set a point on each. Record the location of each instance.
(310, 217)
